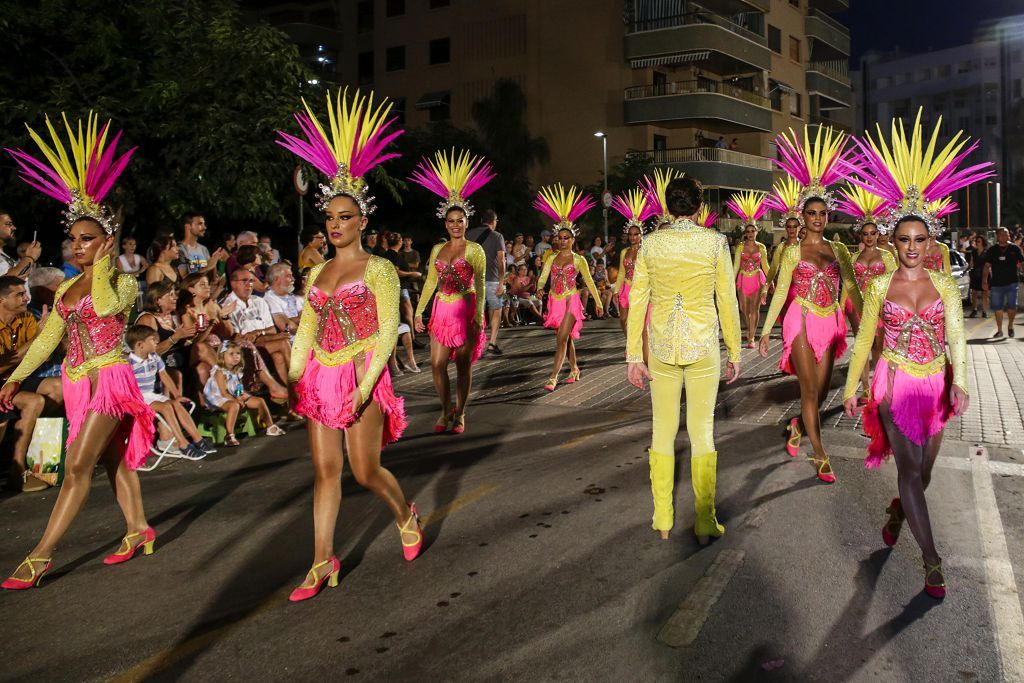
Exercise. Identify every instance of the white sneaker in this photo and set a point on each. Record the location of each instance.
(167, 445)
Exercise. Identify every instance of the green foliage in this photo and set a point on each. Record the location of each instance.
(622, 176)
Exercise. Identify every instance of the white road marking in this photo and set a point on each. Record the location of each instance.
(1002, 586)
(683, 627)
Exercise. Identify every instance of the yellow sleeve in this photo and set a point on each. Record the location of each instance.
(776, 260)
(737, 255)
(790, 259)
(947, 267)
(764, 259)
(621, 277)
(725, 297)
(639, 297)
(305, 335)
(889, 260)
(545, 272)
(846, 272)
(584, 269)
(431, 284)
(874, 297)
(955, 337)
(107, 298)
(478, 260)
(44, 344)
(382, 279)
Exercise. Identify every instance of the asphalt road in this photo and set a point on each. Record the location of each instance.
(541, 564)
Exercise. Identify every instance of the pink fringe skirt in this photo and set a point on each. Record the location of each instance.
(624, 294)
(449, 325)
(919, 406)
(822, 332)
(324, 394)
(750, 285)
(117, 395)
(557, 308)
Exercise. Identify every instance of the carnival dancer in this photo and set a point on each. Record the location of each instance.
(457, 270)
(348, 327)
(564, 309)
(750, 261)
(706, 218)
(684, 273)
(813, 331)
(784, 199)
(936, 256)
(634, 207)
(108, 419)
(915, 389)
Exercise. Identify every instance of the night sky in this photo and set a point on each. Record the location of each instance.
(916, 26)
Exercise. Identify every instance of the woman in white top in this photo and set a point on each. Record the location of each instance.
(129, 262)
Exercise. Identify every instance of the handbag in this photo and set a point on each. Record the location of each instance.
(48, 449)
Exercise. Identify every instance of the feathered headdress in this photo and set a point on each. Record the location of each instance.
(814, 164)
(563, 206)
(912, 176)
(706, 218)
(453, 179)
(634, 207)
(655, 190)
(358, 136)
(785, 198)
(748, 205)
(81, 180)
(861, 205)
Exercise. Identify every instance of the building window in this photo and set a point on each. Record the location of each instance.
(794, 103)
(437, 4)
(774, 39)
(775, 97)
(794, 49)
(364, 68)
(394, 8)
(990, 62)
(394, 58)
(945, 71)
(364, 16)
(440, 51)
(924, 74)
(963, 67)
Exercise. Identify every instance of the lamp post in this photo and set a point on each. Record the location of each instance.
(605, 196)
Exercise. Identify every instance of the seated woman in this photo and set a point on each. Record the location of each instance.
(160, 314)
(129, 262)
(249, 258)
(523, 291)
(163, 253)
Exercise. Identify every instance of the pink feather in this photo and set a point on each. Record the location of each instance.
(582, 205)
(40, 176)
(546, 209)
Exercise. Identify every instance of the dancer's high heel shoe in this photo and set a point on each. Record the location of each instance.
(411, 550)
(34, 576)
(441, 425)
(552, 382)
(825, 472)
(892, 528)
(936, 590)
(574, 376)
(793, 442)
(148, 538)
(330, 577)
(459, 423)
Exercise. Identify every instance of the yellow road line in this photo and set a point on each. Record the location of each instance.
(684, 626)
(457, 504)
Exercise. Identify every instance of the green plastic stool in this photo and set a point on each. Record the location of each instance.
(213, 425)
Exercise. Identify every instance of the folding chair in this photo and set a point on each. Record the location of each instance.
(170, 450)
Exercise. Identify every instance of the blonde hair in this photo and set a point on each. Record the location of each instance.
(228, 346)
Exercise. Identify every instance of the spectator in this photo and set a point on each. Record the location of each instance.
(245, 238)
(405, 274)
(67, 256)
(975, 255)
(285, 306)
(734, 145)
(371, 239)
(405, 340)
(148, 366)
(195, 257)
(523, 292)
(520, 252)
(411, 256)
(313, 238)
(600, 276)
(130, 262)
(270, 255)
(160, 315)
(8, 265)
(544, 244)
(1000, 277)
(163, 254)
(228, 243)
(18, 328)
(488, 237)
(224, 392)
(531, 244)
(721, 143)
(249, 258)
(42, 286)
(596, 247)
(253, 321)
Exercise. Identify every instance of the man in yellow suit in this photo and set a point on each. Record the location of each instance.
(684, 272)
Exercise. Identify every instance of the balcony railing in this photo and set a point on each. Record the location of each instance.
(838, 69)
(684, 155)
(822, 121)
(818, 14)
(690, 19)
(702, 85)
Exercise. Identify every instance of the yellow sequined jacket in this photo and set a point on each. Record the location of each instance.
(582, 267)
(773, 270)
(874, 299)
(112, 292)
(683, 271)
(477, 260)
(381, 278)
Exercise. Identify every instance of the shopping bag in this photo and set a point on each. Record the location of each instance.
(47, 450)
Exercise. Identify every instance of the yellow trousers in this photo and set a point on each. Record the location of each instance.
(700, 379)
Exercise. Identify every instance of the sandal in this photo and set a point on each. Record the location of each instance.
(274, 430)
(892, 528)
(230, 440)
(825, 472)
(935, 590)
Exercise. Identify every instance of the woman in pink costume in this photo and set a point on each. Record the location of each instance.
(456, 270)
(634, 207)
(784, 199)
(813, 331)
(915, 388)
(108, 420)
(565, 310)
(349, 325)
(936, 257)
(750, 262)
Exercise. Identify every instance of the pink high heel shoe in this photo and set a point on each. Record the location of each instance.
(895, 512)
(411, 550)
(793, 442)
(331, 578)
(34, 576)
(148, 536)
(935, 590)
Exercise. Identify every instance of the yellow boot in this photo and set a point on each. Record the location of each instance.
(703, 472)
(662, 481)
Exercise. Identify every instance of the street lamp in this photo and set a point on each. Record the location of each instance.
(605, 198)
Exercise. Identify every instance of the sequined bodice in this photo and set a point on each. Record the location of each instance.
(455, 277)
(919, 338)
(563, 278)
(345, 317)
(89, 335)
(865, 273)
(750, 263)
(630, 266)
(933, 261)
(819, 286)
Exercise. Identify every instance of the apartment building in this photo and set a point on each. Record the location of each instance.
(699, 86)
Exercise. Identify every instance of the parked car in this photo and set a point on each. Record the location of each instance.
(961, 273)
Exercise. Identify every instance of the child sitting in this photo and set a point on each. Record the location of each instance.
(224, 391)
(147, 366)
